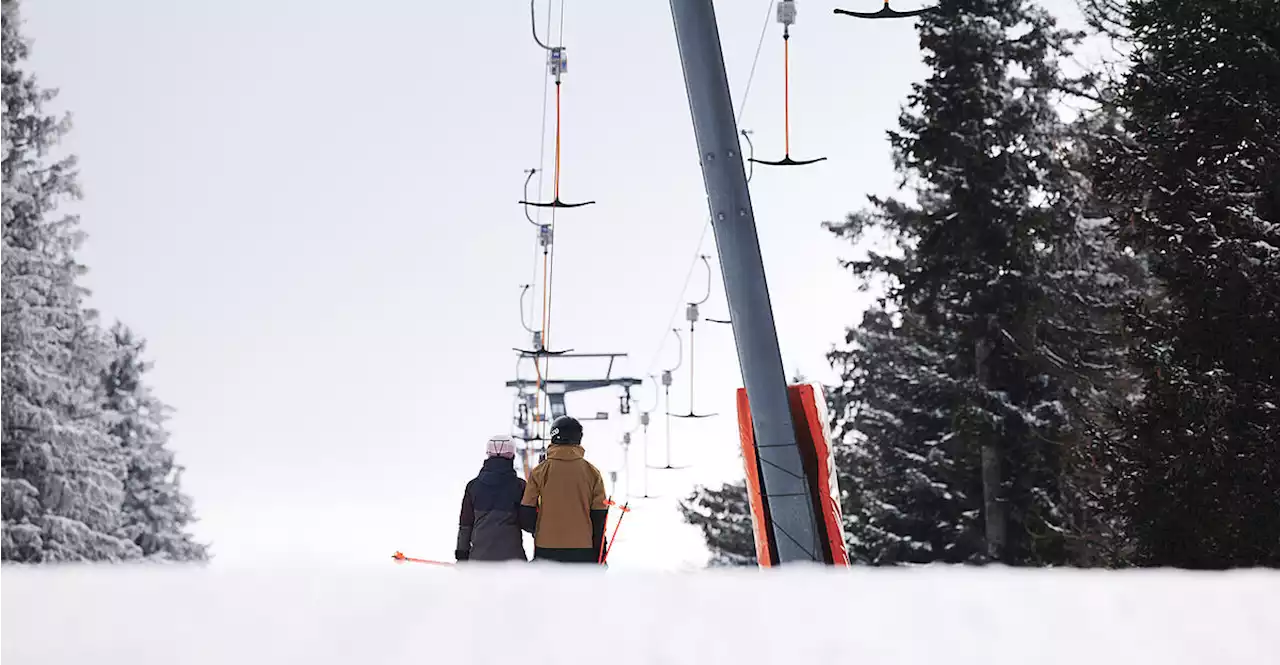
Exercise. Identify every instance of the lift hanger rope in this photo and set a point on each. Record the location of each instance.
(787, 17)
(557, 65)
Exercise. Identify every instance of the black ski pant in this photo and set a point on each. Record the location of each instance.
(566, 555)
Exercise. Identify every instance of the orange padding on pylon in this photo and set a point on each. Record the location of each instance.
(808, 410)
(759, 525)
(814, 403)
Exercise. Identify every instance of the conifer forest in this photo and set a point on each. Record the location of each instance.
(1073, 357)
(1076, 357)
(88, 474)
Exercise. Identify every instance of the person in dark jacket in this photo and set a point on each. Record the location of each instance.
(488, 528)
(564, 501)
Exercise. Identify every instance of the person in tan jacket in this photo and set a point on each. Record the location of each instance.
(564, 500)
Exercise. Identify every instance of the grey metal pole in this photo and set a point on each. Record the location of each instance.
(783, 486)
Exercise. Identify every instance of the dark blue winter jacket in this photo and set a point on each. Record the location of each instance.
(488, 528)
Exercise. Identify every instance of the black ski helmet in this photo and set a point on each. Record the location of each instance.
(566, 431)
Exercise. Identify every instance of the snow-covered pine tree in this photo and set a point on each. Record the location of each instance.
(908, 496)
(155, 513)
(973, 427)
(1093, 278)
(61, 491)
(724, 516)
(1199, 177)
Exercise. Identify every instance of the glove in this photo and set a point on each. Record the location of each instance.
(461, 555)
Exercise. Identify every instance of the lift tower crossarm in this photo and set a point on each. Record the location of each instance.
(573, 385)
(784, 487)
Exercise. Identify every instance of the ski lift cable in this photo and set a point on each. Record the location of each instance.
(540, 170)
(556, 67)
(542, 140)
(550, 275)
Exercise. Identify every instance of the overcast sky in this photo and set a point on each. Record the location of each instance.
(309, 211)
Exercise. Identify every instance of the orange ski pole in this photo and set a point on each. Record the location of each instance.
(614, 535)
(401, 558)
(608, 503)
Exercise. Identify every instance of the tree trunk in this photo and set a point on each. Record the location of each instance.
(992, 502)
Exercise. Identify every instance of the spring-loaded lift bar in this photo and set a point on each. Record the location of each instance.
(886, 12)
(692, 316)
(751, 154)
(626, 464)
(625, 444)
(787, 17)
(666, 388)
(546, 234)
(644, 424)
(706, 263)
(537, 351)
(557, 65)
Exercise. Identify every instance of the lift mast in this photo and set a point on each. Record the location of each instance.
(785, 487)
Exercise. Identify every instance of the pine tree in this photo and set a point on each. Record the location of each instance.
(155, 511)
(61, 472)
(724, 516)
(1093, 278)
(1198, 175)
(902, 476)
(972, 404)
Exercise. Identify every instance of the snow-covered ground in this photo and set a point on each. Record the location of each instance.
(311, 614)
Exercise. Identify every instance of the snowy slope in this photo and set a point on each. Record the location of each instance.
(403, 614)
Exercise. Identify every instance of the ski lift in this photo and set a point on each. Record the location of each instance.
(751, 153)
(624, 401)
(706, 262)
(557, 65)
(787, 17)
(666, 387)
(644, 424)
(666, 383)
(692, 315)
(886, 12)
(538, 351)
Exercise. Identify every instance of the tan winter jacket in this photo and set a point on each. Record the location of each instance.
(565, 488)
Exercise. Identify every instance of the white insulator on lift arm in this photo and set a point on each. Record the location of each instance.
(691, 312)
(666, 378)
(545, 236)
(787, 12)
(557, 61)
